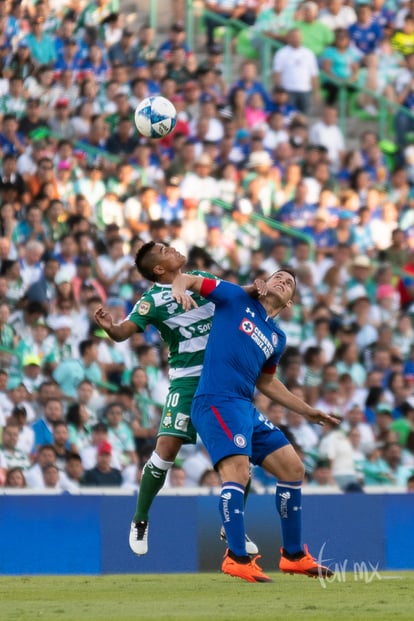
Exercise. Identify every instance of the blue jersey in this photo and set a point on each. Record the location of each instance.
(243, 342)
(365, 38)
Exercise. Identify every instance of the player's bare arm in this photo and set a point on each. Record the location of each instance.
(184, 282)
(116, 331)
(273, 388)
(181, 284)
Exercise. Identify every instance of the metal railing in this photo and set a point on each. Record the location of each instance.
(274, 224)
(387, 109)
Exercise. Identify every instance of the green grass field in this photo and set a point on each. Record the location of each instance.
(197, 597)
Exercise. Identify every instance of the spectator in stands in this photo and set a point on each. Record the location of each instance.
(403, 40)
(20, 62)
(397, 470)
(45, 455)
(336, 447)
(125, 50)
(10, 455)
(103, 474)
(69, 373)
(74, 471)
(43, 427)
(15, 478)
(341, 62)
(337, 15)
(296, 70)
(176, 477)
(274, 22)
(227, 9)
(61, 443)
(42, 49)
(365, 33)
(316, 36)
(326, 133)
(176, 37)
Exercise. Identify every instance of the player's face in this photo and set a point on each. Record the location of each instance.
(282, 286)
(168, 257)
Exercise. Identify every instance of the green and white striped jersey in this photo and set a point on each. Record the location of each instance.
(185, 332)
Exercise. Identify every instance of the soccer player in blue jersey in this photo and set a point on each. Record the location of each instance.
(186, 336)
(243, 351)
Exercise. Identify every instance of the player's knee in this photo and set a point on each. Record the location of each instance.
(234, 470)
(297, 472)
(168, 447)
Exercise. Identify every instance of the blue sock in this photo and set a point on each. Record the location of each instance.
(231, 506)
(289, 506)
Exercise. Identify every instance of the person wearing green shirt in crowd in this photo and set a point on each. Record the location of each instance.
(186, 335)
(275, 22)
(8, 338)
(315, 35)
(404, 426)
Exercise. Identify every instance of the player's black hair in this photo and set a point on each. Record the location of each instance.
(145, 262)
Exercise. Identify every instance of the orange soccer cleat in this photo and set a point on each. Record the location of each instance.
(247, 571)
(305, 565)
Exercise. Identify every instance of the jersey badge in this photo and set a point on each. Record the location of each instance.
(240, 440)
(144, 308)
(247, 326)
(274, 339)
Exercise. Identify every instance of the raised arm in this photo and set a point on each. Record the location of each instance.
(116, 331)
(181, 284)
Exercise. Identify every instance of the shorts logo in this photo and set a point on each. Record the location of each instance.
(181, 421)
(167, 420)
(144, 308)
(274, 339)
(240, 440)
(247, 326)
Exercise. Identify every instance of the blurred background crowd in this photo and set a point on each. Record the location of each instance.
(253, 178)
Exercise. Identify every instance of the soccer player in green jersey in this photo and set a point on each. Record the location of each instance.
(186, 335)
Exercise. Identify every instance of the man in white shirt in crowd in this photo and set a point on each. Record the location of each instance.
(326, 133)
(337, 15)
(295, 68)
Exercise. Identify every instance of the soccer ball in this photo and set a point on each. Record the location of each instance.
(155, 117)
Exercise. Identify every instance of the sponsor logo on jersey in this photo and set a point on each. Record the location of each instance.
(274, 339)
(181, 421)
(240, 441)
(249, 311)
(247, 326)
(144, 308)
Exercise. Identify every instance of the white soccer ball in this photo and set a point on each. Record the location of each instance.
(155, 117)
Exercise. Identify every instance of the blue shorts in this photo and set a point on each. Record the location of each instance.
(231, 426)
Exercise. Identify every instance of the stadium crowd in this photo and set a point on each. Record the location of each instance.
(81, 191)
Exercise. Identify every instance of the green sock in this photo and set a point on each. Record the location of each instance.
(152, 480)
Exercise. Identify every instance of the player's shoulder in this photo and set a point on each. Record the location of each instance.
(202, 273)
(144, 305)
(280, 332)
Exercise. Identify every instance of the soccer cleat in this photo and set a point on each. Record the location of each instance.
(305, 565)
(247, 571)
(251, 547)
(138, 537)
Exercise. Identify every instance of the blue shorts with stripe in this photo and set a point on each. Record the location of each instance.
(232, 426)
